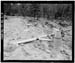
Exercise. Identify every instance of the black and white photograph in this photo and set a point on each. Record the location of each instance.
(37, 62)
(37, 31)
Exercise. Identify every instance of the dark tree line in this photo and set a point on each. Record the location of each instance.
(49, 11)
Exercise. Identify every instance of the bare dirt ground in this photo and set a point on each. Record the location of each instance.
(26, 39)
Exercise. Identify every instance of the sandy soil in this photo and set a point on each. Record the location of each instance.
(20, 29)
